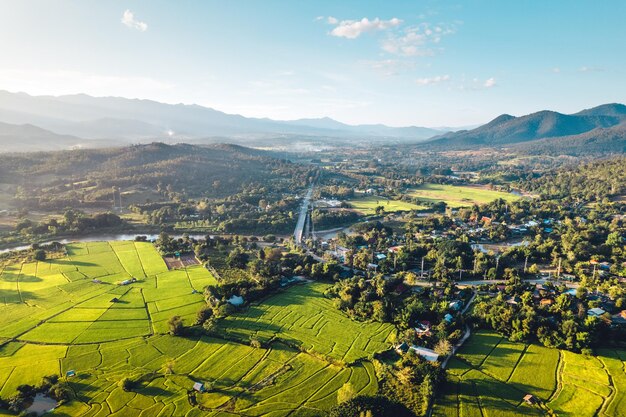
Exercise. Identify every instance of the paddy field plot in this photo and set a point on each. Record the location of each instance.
(367, 205)
(459, 196)
(78, 299)
(491, 375)
(302, 316)
(276, 380)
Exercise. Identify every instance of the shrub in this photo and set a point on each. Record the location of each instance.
(176, 326)
(346, 393)
(127, 384)
(205, 313)
(39, 255)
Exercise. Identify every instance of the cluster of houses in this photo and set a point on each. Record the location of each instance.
(545, 296)
(423, 331)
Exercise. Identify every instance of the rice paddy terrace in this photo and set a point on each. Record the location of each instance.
(74, 314)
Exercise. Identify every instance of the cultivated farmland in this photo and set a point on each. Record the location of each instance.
(303, 317)
(459, 196)
(72, 314)
(367, 205)
(492, 375)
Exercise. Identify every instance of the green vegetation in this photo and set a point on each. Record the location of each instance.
(492, 375)
(72, 314)
(458, 196)
(303, 317)
(368, 205)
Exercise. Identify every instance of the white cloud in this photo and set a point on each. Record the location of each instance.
(128, 19)
(332, 20)
(490, 82)
(417, 40)
(352, 29)
(556, 70)
(590, 69)
(433, 80)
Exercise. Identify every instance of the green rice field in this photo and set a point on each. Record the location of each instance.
(72, 314)
(459, 196)
(490, 376)
(302, 316)
(367, 205)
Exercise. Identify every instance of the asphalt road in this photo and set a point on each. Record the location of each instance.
(297, 234)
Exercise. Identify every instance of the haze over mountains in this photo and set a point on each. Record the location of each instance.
(30, 123)
(134, 120)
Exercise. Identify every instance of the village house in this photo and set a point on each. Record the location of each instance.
(595, 312)
(428, 354)
(422, 329)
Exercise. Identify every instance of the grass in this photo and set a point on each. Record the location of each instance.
(459, 196)
(367, 205)
(491, 376)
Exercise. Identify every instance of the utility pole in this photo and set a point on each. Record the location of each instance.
(422, 276)
(558, 277)
(525, 263)
(497, 263)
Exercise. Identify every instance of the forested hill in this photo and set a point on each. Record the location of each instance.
(90, 174)
(595, 142)
(547, 125)
(594, 181)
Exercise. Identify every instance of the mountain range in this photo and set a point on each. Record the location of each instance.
(597, 127)
(134, 120)
(30, 123)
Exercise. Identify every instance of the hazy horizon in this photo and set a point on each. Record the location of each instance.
(405, 64)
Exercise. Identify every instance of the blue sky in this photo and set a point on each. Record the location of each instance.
(427, 63)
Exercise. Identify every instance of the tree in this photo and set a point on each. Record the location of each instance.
(237, 258)
(126, 384)
(411, 278)
(426, 390)
(443, 347)
(205, 313)
(39, 255)
(346, 393)
(614, 239)
(176, 326)
(255, 343)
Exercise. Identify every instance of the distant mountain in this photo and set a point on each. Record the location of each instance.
(26, 138)
(507, 129)
(135, 120)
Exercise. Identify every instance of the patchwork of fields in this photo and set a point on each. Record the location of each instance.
(70, 314)
(490, 376)
(304, 317)
(78, 300)
(459, 196)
